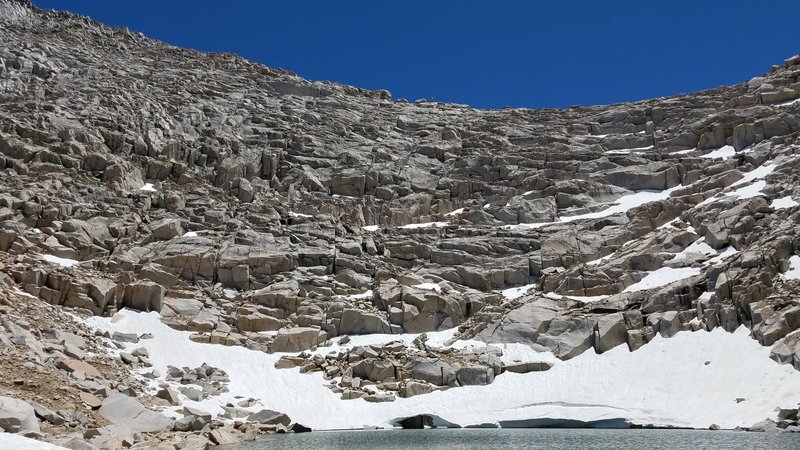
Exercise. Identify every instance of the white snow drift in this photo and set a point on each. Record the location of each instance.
(690, 380)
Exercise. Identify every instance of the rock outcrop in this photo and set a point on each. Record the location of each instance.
(254, 208)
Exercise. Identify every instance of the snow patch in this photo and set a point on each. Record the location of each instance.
(626, 203)
(429, 287)
(784, 202)
(751, 190)
(371, 228)
(689, 380)
(621, 205)
(597, 261)
(580, 298)
(299, 215)
(697, 247)
(455, 213)
(425, 225)
(367, 294)
(794, 269)
(759, 172)
(190, 234)
(706, 295)
(148, 187)
(19, 291)
(662, 277)
(19, 442)
(726, 252)
(517, 292)
(723, 152)
(789, 103)
(63, 262)
(626, 151)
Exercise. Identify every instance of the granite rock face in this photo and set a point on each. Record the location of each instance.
(254, 208)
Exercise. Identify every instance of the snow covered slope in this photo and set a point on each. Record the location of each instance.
(690, 380)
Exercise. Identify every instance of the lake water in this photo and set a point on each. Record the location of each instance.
(526, 438)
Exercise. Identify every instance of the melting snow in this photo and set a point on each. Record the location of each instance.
(751, 190)
(625, 151)
(580, 298)
(429, 287)
(626, 203)
(517, 292)
(600, 260)
(63, 262)
(794, 269)
(148, 187)
(425, 225)
(784, 202)
(789, 103)
(723, 152)
(758, 172)
(18, 442)
(662, 277)
(367, 294)
(697, 247)
(621, 205)
(19, 291)
(689, 380)
(726, 252)
(747, 190)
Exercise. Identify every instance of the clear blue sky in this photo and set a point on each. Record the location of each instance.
(485, 53)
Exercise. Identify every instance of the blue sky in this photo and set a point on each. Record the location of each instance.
(488, 54)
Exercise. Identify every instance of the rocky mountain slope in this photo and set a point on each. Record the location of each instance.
(253, 208)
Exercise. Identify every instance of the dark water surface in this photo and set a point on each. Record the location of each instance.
(526, 438)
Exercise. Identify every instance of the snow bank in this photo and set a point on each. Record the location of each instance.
(697, 247)
(365, 294)
(425, 225)
(626, 203)
(580, 298)
(626, 151)
(63, 262)
(723, 253)
(789, 103)
(759, 172)
(17, 442)
(429, 287)
(751, 190)
(662, 277)
(784, 202)
(517, 292)
(723, 152)
(747, 187)
(621, 205)
(597, 261)
(794, 269)
(690, 380)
